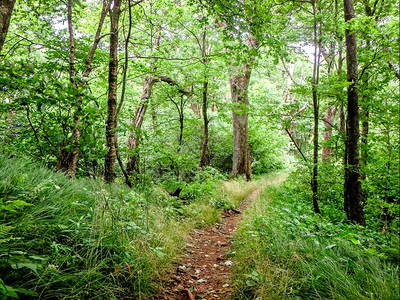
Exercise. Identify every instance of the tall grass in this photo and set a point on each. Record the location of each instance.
(81, 239)
(284, 251)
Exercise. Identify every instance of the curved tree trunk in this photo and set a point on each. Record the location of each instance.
(352, 186)
(239, 84)
(132, 166)
(6, 8)
(134, 135)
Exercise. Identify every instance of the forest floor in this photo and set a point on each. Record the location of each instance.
(203, 272)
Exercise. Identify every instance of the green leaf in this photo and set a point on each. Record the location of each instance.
(7, 291)
(30, 266)
(354, 241)
(37, 257)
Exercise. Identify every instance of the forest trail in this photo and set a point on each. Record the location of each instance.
(203, 271)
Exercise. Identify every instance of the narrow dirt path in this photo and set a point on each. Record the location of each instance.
(203, 271)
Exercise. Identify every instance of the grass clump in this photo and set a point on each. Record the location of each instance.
(285, 251)
(81, 239)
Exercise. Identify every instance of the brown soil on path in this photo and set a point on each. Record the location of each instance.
(203, 271)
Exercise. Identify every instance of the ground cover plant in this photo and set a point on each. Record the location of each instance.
(283, 251)
(83, 239)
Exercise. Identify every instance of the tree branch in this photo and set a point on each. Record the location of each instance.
(298, 148)
(287, 71)
(97, 38)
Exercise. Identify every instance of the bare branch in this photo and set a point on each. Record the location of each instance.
(298, 148)
(287, 71)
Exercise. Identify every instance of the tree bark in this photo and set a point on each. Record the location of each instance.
(111, 123)
(239, 84)
(6, 8)
(352, 187)
(204, 157)
(315, 81)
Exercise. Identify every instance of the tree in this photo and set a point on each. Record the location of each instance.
(204, 156)
(111, 122)
(6, 8)
(68, 157)
(352, 186)
(315, 98)
(239, 84)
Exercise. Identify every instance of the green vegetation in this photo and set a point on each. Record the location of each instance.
(124, 125)
(83, 239)
(284, 251)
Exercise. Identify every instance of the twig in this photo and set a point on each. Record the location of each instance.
(298, 148)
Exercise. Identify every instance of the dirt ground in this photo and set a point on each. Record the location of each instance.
(203, 272)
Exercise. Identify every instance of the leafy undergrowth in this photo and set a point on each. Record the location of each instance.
(285, 251)
(83, 239)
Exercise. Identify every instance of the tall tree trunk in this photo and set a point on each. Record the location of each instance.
(204, 157)
(239, 84)
(6, 8)
(67, 159)
(111, 123)
(352, 187)
(315, 81)
(181, 123)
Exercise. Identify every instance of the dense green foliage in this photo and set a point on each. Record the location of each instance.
(284, 251)
(82, 239)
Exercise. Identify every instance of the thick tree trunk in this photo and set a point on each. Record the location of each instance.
(111, 123)
(204, 157)
(239, 84)
(64, 159)
(6, 8)
(352, 187)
